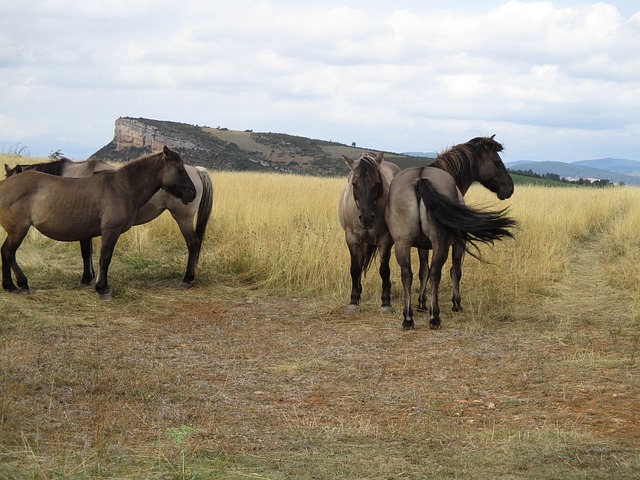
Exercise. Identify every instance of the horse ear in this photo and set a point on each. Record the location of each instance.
(166, 151)
(7, 169)
(349, 161)
(380, 158)
(492, 136)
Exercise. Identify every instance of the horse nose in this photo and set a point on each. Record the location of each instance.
(366, 221)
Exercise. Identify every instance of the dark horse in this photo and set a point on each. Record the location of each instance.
(199, 210)
(72, 209)
(361, 212)
(426, 210)
(478, 160)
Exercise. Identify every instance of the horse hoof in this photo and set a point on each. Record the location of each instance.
(408, 325)
(387, 310)
(434, 324)
(352, 309)
(457, 308)
(185, 285)
(107, 296)
(25, 291)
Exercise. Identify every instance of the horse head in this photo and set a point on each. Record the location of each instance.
(491, 171)
(12, 171)
(366, 185)
(175, 178)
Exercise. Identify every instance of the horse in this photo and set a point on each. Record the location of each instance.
(478, 160)
(426, 210)
(77, 209)
(197, 212)
(361, 212)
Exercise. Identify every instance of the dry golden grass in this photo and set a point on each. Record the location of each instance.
(257, 371)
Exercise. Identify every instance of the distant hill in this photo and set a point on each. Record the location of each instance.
(618, 165)
(592, 169)
(421, 154)
(223, 149)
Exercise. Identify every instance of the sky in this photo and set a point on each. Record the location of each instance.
(553, 80)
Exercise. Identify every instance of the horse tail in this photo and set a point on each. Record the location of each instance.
(369, 255)
(466, 224)
(206, 204)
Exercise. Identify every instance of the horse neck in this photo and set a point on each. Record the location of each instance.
(460, 167)
(144, 176)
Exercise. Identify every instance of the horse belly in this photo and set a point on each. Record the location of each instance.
(67, 230)
(67, 222)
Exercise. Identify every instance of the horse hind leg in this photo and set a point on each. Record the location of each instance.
(423, 254)
(435, 275)
(403, 256)
(456, 275)
(88, 274)
(9, 263)
(194, 246)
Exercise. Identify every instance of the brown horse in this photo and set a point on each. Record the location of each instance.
(361, 211)
(72, 209)
(426, 210)
(184, 215)
(478, 160)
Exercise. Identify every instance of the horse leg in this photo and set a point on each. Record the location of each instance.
(423, 253)
(384, 249)
(88, 274)
(403, 256)
(357, 258)
(440, 251)
(109, 240)
(194, 245)
(8, 253)
(457, 256)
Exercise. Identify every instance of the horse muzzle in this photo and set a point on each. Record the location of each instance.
(366, 222)
(503, 194)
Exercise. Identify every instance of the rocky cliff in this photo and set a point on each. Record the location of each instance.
(224, 149)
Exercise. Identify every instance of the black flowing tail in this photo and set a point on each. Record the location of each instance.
(206, 204)
(465, 224)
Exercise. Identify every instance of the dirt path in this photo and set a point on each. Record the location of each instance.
(584, 295)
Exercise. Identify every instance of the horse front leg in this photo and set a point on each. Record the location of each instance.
(88, 273)
(403, 256)
(384, 249)
(457, 256)
(435, 274)
(109, 241)
(356, 251)
(423, 254)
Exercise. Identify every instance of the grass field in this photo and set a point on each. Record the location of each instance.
(258, 372)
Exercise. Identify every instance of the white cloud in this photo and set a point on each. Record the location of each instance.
(405, 75)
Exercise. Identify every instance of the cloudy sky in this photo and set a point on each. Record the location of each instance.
(554, 80)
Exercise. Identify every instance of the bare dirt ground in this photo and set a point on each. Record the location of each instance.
(293, 388)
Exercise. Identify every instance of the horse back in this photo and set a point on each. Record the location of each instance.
(407, 217)
(65, 209)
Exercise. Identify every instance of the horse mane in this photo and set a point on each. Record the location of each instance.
(137, 162)
(458, 161)
(54, 167)
(368, 164)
